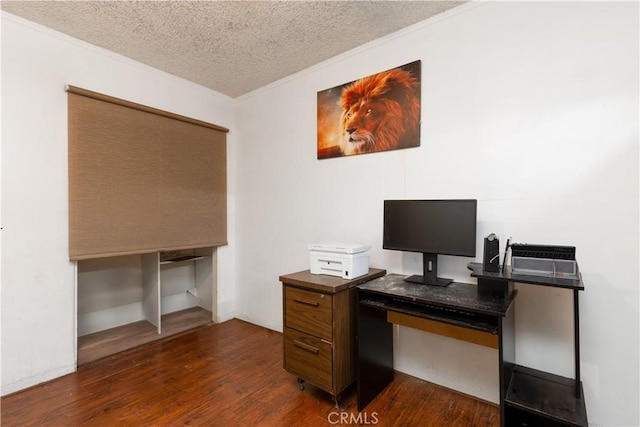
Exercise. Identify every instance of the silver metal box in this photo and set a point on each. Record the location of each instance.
(544, 267)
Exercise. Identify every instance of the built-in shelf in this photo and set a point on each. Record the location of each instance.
(115, 340)
(133, 300)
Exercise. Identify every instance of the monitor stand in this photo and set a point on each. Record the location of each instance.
(430, 273)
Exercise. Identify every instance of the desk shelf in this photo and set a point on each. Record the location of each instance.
(533, 397)
(540, 398)
(508, 276)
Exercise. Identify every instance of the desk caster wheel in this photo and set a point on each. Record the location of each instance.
(300, 383)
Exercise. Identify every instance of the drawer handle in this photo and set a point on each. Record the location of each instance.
(305, 302)
(307, 347)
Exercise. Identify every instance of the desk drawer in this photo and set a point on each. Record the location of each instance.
(309, 312)
(308, 358)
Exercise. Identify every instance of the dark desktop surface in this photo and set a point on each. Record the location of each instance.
(460, 296)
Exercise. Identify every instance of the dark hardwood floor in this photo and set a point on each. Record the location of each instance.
(229, 374)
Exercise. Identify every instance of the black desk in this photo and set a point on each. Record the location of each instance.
(483, 314)
(458, 311)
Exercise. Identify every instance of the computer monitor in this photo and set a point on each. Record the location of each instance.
(431, 227)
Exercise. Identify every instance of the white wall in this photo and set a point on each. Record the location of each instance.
(38, 290)
(532, 108)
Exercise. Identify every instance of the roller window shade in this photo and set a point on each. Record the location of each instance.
(142, 180)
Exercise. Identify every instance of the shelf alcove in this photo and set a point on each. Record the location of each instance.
(127, 301)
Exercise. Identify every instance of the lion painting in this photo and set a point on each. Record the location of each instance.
(381, 112)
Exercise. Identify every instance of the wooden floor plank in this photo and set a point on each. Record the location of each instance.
(228, 374)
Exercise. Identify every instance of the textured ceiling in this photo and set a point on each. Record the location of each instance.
(232, 47)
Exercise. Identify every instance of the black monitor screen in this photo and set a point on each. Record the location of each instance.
(446, 227)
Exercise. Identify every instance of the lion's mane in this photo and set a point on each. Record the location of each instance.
(381, 112)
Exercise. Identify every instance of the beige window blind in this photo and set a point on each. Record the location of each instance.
(142, 180)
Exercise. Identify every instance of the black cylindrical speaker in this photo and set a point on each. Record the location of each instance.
(491, 253)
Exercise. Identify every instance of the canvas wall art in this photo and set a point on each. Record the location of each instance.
(375, 113)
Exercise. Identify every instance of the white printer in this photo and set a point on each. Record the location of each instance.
(346, 260)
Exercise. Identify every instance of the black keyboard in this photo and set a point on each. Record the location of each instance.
(434, 312)
(437, 310)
